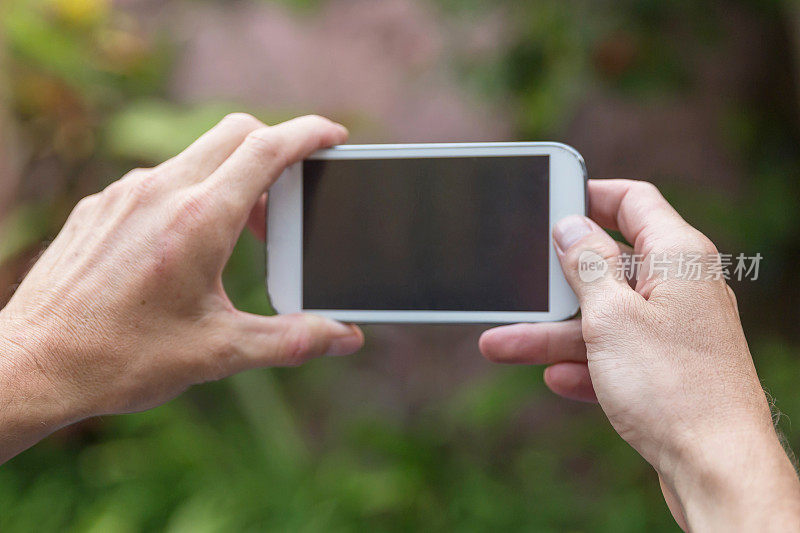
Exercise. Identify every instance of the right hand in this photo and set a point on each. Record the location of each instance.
(666, 359)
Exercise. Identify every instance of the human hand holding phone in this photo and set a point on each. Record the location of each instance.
(668, 362)
(126, 309)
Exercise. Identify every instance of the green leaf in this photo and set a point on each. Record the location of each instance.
(154, 130)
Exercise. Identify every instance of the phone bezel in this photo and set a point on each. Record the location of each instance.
(568, 178)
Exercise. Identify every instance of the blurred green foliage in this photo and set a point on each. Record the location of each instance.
(266, 451)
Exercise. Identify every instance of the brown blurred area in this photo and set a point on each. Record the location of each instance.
(700, 97)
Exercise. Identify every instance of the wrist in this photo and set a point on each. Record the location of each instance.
(32, 403)
(740, 479)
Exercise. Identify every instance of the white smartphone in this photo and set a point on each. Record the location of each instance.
(424, 233)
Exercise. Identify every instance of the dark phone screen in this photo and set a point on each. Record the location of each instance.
(442, 234)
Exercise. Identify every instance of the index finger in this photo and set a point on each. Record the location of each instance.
(213, 148)
(639, 211)
(263, 156)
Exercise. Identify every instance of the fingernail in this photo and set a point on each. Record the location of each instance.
(348, 343)
(570, 230)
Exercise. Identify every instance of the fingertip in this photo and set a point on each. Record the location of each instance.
(589, 258)
(485, 342)
(358, 332)
(347, 339)
(495, 343)
(330, 132)
(534, 343)
(572, 229)
(570, 380)
(340, 135)
(342, 128)
(569, 230)
(244, 121)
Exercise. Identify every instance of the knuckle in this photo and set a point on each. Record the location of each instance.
(245, 119)
(595, 242)
(296, 344)
(572, 257)
(142, 187)
(641, 188)
(115, 189)
(706, 245)
(317, 118)
(695, 242)
(87, 203)
(83, 210)
(645, 186)
(265, 144)
(219, 358)
(318, 128)
(137, 174)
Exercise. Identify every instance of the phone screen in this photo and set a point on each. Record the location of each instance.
(439, 234)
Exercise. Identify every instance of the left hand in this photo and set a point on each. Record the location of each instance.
(126, 307)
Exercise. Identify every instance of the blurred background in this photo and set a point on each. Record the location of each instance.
(418, 431)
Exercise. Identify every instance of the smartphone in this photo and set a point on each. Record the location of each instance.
(424, 233)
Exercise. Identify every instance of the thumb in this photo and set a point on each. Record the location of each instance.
(590, 259)
(255, 341)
